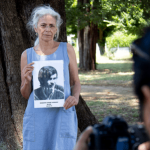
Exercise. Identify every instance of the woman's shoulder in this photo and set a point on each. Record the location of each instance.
(70, 48)
(24, 53)
(24, 57)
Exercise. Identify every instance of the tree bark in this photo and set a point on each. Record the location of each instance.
(86, 51)
(14, 39)
(93, 41)
(84, 41)
(81, 47)
(101, 41)
(85, 117)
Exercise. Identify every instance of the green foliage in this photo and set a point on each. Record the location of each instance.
(127, 15)
(121, 39)
(71, 16)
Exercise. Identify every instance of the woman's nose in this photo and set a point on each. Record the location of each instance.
(48, 28)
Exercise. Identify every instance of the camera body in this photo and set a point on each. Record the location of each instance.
(114, 134)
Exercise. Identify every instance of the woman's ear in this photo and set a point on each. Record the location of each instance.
(146, 92)
(35, 29)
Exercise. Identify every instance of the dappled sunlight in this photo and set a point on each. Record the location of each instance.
(121, 103)
(109, 90)
(104, 76)
(125, 73)
(106, 100)
(104, 59)
(104, 91)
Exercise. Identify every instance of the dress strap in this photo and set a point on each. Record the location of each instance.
(29, 55)
(65, 52)
(29, 60)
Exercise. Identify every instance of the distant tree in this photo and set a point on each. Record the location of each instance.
(95, 20)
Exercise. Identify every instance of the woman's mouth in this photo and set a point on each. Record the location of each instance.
(47, 35)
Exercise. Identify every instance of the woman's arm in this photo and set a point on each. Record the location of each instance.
(74, 79)
(26, 76)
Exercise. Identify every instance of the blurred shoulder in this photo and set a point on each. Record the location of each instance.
(24, 54)
(70, 48)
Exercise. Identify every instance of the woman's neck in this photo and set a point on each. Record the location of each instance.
(46, 47)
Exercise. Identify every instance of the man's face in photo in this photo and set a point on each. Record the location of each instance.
(51, 82)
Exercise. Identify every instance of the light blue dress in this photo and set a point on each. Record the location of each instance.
(50, 128)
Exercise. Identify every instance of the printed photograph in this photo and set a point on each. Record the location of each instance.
(48, 83)
(48, 89)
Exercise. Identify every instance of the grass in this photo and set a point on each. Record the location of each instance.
(108, 74)
(115, 67)
(128, 110)
(114, 74)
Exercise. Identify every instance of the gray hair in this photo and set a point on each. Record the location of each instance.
(39, 12)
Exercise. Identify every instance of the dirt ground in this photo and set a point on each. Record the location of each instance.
(116, 100)
(111, 92)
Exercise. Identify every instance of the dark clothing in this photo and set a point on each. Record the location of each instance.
(58, 93)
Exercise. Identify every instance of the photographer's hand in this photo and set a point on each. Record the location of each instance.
(144, 146)
(82, 143)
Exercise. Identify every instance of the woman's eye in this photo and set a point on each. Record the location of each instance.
(51, 26)
(43, 25)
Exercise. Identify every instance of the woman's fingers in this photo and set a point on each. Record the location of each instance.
(27, 69)
(71, 101)
(67, 103)
(28, 76)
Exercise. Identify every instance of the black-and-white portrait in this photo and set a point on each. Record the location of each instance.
(48, 82)
(48, 88)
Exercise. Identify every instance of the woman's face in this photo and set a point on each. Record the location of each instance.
(46, 28)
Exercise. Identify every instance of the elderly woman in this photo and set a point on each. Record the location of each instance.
(49, 128)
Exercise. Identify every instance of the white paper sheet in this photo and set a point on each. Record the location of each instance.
(48, 84)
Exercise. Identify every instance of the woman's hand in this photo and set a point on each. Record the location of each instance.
(27, 73)
(70, 101)
(74, 79)
(26, 76)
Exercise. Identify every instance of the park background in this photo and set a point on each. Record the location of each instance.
(107, 87)
(103, 29)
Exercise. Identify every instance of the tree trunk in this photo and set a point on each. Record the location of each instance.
(86, 50)
(93, 40)
(14, 39)
(87, 39)
(81, 47)
(101, 43)
(85, 117)
(84, 42)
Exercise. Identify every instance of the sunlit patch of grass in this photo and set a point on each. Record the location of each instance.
(102, 109)
(110, 73)
(96, 78)
(106, 102)
(115, 67)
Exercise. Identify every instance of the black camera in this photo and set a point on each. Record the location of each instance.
(114, 134)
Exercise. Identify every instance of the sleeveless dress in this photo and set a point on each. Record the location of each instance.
(50, 128)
